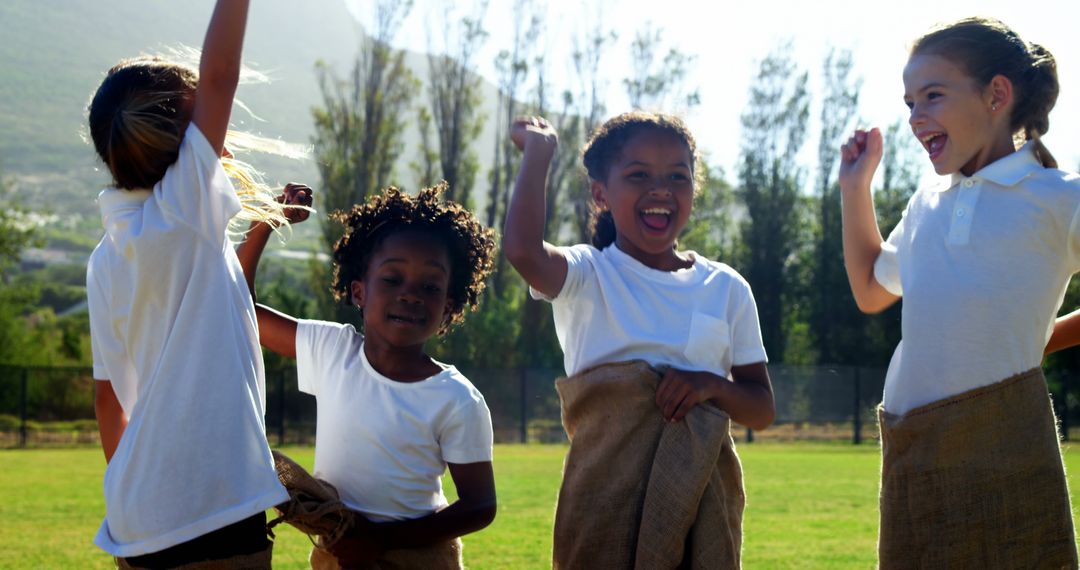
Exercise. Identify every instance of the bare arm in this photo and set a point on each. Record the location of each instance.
(474, 510)
(541, 265)
(219, 70)
(277, 331)
(862, 238)
(1066, 333)
(747, 397)
(110, 417)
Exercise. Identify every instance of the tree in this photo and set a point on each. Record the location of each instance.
(657, 83)
(835, 321)
(774, 130)
(358, 130)
(454, 89)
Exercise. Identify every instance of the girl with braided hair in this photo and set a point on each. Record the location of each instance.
(971, 468)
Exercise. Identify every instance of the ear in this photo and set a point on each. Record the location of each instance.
(999, 94)
(357, 290)
(598, 189)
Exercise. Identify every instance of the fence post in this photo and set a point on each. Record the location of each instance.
(281, 408)
(857, 436)
(523, 380)
(22, 406)
(749, 435)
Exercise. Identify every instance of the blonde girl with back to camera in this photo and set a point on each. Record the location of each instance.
(180, 396)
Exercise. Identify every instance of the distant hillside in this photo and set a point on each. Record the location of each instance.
(55, 53)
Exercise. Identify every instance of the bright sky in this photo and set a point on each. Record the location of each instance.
(729, 40)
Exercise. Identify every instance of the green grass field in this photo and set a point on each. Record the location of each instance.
(809, 506)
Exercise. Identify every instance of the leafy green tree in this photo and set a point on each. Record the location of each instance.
(656, 82)
(774, 127)
(835, 321)
(358, 130)
(454, 90)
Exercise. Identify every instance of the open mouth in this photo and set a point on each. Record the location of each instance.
(656, 219)
(934, 143)
(406, 320)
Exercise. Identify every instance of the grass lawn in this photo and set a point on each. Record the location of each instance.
(809, 506)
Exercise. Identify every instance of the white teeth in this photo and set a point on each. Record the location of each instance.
(664, 211)
(929, 137)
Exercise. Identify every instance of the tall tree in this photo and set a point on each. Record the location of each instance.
(774, 129)
(835, 321)
(590, 46)
(655, 82)
(454, 89)
(358, 129)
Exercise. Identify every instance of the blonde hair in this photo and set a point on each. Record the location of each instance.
(137, 120)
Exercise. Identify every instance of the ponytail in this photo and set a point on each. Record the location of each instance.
(603, 228)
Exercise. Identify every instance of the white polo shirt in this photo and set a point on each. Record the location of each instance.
(613, 308)
(173, 329)
(982, 264)
(382, 443)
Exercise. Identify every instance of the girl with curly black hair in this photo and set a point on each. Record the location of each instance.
(390, 418)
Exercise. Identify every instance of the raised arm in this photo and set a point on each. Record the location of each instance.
(219, 70)
(862, 238)
(538, 262)
(277, 331)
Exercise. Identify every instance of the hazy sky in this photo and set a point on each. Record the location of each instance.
(731, 38)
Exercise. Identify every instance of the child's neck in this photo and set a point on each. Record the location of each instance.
(402, 364)
(667, 260)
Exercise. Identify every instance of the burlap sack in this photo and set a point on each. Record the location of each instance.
(315, 509)
(638, 491)
(444, 556)
(976, 481)
(313, 506)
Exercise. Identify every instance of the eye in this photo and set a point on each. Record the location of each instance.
(909, 104)
(637, 175)
(931, 95)
(680, 177)
(391, 280)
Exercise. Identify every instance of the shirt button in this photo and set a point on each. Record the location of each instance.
(969, 183)
(960, 213)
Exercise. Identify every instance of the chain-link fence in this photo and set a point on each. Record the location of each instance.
(55, 406)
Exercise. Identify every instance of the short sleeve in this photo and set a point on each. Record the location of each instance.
(578, 265)
(1074, 242)
(196, 190)
(320, 346)
(106, 346)
(467, 436)
(887, 264)
(746, 344)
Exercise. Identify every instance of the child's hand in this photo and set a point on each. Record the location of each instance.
(679, 391)
(297, 200)
(859, 158)
(533, 132)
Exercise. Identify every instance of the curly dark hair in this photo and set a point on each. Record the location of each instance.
(471, 246)
(606, 144)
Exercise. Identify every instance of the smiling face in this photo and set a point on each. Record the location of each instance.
(649, 190)
(962, 126)
(404, 292)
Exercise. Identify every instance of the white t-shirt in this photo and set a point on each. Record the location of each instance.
(173, 329)
(613, 308)
(982, 264)
(385, 444)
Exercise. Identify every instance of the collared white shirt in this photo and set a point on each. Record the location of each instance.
(982, 264)
(173, 328)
